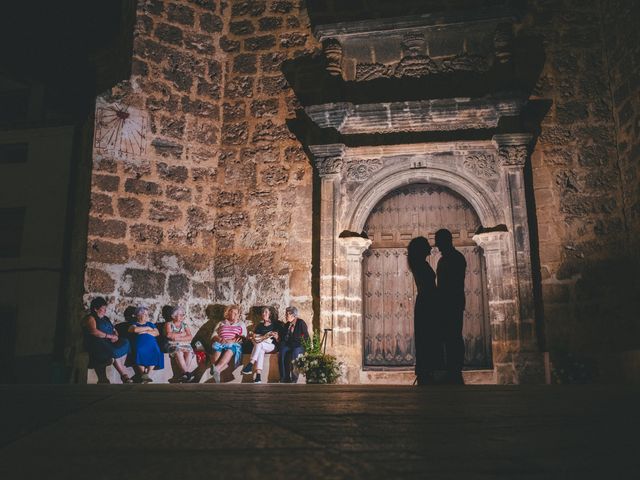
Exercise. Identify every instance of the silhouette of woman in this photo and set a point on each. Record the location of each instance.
(427, 339)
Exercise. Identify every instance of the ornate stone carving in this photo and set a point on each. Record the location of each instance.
(482, 165)
(333, 54)
(502, 40)
(515, 155)
(329, 165)
(371, 71)
(414, 44)
(360, 170)
(420, 65)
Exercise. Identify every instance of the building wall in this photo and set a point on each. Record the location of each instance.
(586, 273)
(219, 207)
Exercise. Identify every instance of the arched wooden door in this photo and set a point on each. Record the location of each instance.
(388, 287)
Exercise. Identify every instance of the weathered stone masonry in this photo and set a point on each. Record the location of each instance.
(200, 193)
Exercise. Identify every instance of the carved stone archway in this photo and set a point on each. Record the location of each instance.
(489, 174)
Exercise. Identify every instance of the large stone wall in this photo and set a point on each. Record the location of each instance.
(214, 207)
(587, 276)
(217, 207)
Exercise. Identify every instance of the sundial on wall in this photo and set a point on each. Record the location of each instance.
(121, 130)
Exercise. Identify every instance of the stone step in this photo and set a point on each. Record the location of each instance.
(407, 377)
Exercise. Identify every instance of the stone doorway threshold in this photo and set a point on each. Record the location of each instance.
(406, 377)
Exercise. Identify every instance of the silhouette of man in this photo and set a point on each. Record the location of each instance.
(450, 280)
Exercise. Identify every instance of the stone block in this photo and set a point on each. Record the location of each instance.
(232, 112)
(103, 164)
(196, 217)
(210, 90)
(129, 207)
(142, 283)
(282, 6)
(174, 173)
(293, 40)
(178, 193)
(261, 263)
(262, 42)
(178, 287)
(235, 133)
(266, 24)
(146, 234)
(229, 46)
(227, 199)
(101, 204)
(106, 183)
(169, 34)
(106, 228)
(272, 86)
(239, 87)
(107, 252)
(269, 132)
(202, 44)
(181, 14)
(135, 185)
(254, 8)
(163, 212)
(242, 27)
(272, 61)
(275, 175)
(245, 63)
(203, 174)
(230, 221)
(166, 148)
(264, 108)
(211, 23)
(98, 281)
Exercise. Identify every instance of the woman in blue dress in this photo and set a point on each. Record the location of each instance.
(103, 343)
(146, 352)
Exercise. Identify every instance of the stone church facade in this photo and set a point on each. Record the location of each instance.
(249, 149)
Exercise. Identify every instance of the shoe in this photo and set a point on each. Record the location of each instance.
(126, 379)
(145, 378)
(216, 374)
(248, 369)
(258, 379)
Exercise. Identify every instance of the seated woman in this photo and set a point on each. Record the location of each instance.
(146, 352)
(179, 342)
(103, 343)
(291, 346)
(264, 340)
(227, 341)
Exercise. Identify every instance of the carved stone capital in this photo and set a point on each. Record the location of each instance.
(513, 149)
(355, 246)
(491, 241)
(328, 159)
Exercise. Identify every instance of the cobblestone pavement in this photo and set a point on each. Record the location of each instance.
(324, 432)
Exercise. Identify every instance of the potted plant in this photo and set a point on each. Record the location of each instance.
(317, 366)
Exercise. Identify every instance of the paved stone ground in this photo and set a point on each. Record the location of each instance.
(324, 432)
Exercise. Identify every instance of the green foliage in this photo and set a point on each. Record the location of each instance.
(317, 366)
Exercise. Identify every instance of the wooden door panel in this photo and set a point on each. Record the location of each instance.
(388, 287)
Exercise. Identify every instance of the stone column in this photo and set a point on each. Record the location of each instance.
(521, 339)
(347, 334)
(328, 161)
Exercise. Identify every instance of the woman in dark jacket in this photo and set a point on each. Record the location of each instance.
(425, 326)
(291, 336)
(103, 343)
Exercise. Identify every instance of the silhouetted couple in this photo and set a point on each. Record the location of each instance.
(439, 309)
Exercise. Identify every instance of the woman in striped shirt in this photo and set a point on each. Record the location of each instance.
(227, 341)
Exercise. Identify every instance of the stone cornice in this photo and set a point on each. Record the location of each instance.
(432, 20)
(416, 116)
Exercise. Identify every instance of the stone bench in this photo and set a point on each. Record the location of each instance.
(232, 374)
